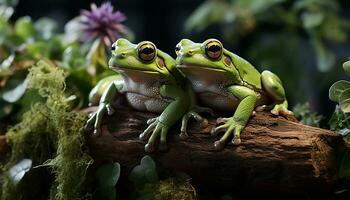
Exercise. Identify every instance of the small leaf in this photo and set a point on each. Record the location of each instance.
(108, 174)
(144, 173)
(346, 67)
(344, 101)
(25, 28)
(107, 177)
(337, 89)
(312, 20)
(18, 171)
(344, 132)
(46, 27)
(15, 94)
(6, 12)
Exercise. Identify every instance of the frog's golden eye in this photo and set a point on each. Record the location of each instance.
(147, 51)
(177, 48)
(113, 47)
(213, 49)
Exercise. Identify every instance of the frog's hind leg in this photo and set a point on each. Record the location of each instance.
(273, 86)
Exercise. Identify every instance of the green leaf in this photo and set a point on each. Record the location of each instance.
(18, 171)
(5, 108)
(16, 93)
(9, 2)
(346, 67)
(108, 174)
(312, 19)
(46, 27)
(344, 170)
(337, 89)
(344, 101)
(107, 177)
(208, 13)
(325, 58)
(344, 132)
(144, 173)
(6, 12)
(25, 28)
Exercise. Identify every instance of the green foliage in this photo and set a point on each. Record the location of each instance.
(340, 92)
(319, 18)
(306, 116)
(340, 122)
(50, 134)
(148, 186)
(107, 177)
(144, 173)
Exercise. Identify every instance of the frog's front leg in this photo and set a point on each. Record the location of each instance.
(240, 118)
(104, 106)
(159, 127)
(193, 112)
(273, 86)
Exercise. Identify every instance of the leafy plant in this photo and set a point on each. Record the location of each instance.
(50, 134)
(148, 186)
(306, 116)
(80, 51)
(340, 91)
(107, 177)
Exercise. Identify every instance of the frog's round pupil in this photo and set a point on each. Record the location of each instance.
(214, 48)
(147, 50)
(177, 48)
(113, 47)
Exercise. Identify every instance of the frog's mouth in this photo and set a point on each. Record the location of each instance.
(193, 67)
(128, 69)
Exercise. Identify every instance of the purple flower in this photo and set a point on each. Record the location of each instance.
(103, 23)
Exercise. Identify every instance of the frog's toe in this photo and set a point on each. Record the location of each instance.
(150, 121)
(97, 132)
(149, 148)
(183, 135)
(236, 140)
(219, 145)
(221, 120)
(110, 109)
(204, 123)
(218, 129)
(145, 135)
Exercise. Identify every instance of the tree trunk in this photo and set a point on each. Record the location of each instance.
(277, 157)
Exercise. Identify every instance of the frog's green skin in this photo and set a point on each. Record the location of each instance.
(149, 81)
(224, 81)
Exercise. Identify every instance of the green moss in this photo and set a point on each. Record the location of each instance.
(51, 135)
(172, 189)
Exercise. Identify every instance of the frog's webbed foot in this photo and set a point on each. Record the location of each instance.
(96, 118)
(281, 109)
(194, 113)
(156, 128)
(231, 125)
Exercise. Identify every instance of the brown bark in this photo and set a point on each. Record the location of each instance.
(277, 156)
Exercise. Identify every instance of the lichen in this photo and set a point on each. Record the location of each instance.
(51, 135)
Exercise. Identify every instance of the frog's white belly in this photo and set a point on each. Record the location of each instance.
(143, 94)
(145, 103)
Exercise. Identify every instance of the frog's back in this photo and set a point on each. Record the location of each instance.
(247, 71)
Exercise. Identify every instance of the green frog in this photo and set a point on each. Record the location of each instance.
(226, 82)
(149, 81)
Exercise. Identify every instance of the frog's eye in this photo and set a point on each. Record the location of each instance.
(146, 51)
(177, 48)
(213, 49)
(113, 47)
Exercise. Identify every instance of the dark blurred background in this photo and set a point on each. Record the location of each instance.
(163, 23)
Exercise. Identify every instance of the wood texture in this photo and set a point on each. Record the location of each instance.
(277, 157)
